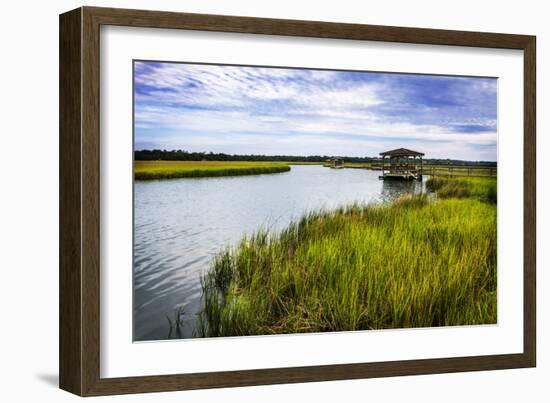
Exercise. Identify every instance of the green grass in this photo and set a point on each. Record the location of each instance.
(417, 262)
(144, 170)
(484, 189)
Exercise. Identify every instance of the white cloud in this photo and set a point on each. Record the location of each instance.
(213, 107)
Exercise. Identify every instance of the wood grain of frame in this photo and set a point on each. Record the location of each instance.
(79, 290)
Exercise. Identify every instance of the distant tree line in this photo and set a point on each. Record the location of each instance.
(182, 155)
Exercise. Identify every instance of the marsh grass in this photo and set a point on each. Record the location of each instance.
(144, 170)
(417, 262)
(484, 189)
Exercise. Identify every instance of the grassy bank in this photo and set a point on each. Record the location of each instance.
(484, 189)
(200, 169)
(418, 262)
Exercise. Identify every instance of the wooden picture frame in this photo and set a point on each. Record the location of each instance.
(79, 280)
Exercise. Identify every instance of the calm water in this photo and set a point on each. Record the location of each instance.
(180, 224)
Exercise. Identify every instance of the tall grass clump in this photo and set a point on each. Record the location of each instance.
(417, 262)
(144, 170)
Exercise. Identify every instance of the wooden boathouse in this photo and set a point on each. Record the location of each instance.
(401, 163)
(336, 162)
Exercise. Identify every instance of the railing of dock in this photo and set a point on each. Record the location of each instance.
(435, 170)
(458, 170)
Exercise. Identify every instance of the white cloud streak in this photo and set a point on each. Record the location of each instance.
(225, 108)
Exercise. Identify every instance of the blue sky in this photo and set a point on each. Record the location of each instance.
(254, 110)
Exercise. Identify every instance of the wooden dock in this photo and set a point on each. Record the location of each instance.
(459, 170)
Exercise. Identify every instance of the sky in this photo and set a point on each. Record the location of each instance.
(281, 111)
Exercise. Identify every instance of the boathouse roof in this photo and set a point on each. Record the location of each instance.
(401, 152)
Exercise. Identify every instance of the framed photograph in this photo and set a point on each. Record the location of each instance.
(249, 201)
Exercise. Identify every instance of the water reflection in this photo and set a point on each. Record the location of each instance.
(392, 189)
